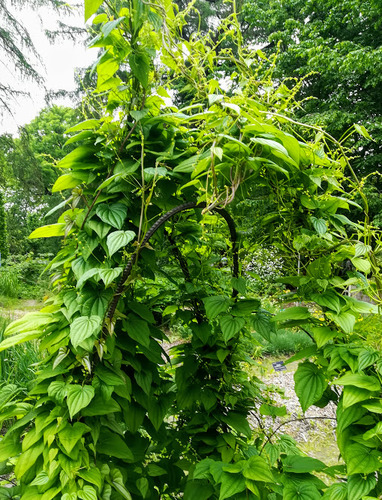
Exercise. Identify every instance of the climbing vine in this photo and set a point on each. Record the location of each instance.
(112, 414)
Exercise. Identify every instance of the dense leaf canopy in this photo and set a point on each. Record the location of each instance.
(338, 44)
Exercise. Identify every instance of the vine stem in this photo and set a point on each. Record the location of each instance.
(357, 185)
(128, 268)
(268, 438)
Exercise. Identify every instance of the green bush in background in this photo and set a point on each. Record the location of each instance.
(22, 276)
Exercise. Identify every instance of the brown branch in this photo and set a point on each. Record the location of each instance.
(293, 420)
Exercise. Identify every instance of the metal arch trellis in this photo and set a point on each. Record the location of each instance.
(121, 287)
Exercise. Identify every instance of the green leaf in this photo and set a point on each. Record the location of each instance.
(57, 390)
(353, 395)
(301, 491)
(82, 154)
(113, 445)
(71, 434)
(143, 486)
(198, 490)
(309, 384)
(319, 268)
(114, 214)
(27, 459)
(140, 66)
(361, 249)
(257, 469)
(361, 306)
(100, 228)
(361, 459)
(108, 376)
(366, 358)
(19, 339)
(78, 397)
(216, 305)
(109, 275)
(362, 381)
(86, 276)
(142, 311)
(374, 406)
(302, 465)
(66, 181)
(344, 320)
(41, 478)
(319, 225)
(238, 422)
(203, 469)
(144, 380)
(9, 448)
(270, 143)
(336, 492)
(92, 475)
(362, 265)
(245, 307)
(69, 496)
(98, 407)
(91, 7)
(273, 411)
(95, 306)
(375, 431)
(189, 165)
(138, 330)
(118, 239)
(263, 325)
(87, 124)
(108, 27)
(48, 231)
(87, 493)
(322, 335)
(231, 484)
(347, 416)
(327, 299)
(84, 327)
(230, 326)
(154, 470)
(292, 313)
(362, 131)
(360, 485)
(239, 284)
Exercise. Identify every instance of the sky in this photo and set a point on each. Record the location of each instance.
(59, 63)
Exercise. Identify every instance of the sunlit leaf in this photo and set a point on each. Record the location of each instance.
(79, 397)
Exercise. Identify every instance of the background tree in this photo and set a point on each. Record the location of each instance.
(17, 50)
(338, 44)
(3, 231)
(29, 172)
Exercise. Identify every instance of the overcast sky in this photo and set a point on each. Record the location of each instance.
(60, 61)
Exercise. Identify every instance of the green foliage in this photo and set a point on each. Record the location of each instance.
(28, 166)
(284, 341)
(3, 230)
(17, 46)
(22, 277)
(336, 47)
(111, 413)
(16, 363)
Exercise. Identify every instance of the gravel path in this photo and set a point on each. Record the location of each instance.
(313, 430)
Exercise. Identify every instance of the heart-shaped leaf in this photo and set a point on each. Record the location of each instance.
(118, 239)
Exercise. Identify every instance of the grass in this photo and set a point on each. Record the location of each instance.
(16, 363)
